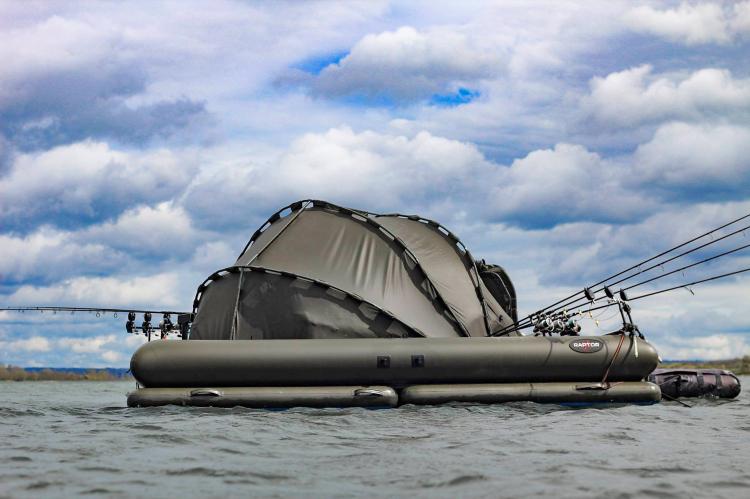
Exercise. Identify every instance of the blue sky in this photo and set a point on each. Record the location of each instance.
(141, 144)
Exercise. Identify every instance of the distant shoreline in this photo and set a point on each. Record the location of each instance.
(738, 366)
(14, 373)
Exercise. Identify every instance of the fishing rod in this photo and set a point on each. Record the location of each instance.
(666, 290)
(656, 265)
(652, 258)
(687, 267)
(165, 326)
(88, 309)
(589, 293)
(625, 298)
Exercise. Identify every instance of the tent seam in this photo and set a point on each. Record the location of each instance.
(229, 270)
(435, 226)
(368, 219)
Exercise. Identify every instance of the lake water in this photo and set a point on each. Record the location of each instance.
(62, 439)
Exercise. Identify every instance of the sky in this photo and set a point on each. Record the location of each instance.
(142, 143)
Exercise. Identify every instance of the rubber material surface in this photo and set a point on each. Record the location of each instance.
(697, 382)
(559, 393)
(266, 397)
(389, 362)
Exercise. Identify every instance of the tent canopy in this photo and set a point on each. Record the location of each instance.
(317, 270)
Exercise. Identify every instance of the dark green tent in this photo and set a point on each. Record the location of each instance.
(317, 270)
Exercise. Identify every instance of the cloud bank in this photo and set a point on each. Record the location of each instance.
(139, 152)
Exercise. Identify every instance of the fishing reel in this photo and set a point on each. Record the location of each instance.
(145, 328)
(130, 325)
(549, 324)
(165, 326)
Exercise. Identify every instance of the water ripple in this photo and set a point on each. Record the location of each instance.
(62, 441)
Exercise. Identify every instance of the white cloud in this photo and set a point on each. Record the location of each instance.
(584, 252)
(368, 170)
(407, 64)
(691, 24)
(214, 255)
(33, 344)
(713, 347)
(86, 345)
(56, 43)
(112, 356)
(494, 157)
(741, 21)
(154, 291)
(713, 159)
(636, 95)
(567, 183)
(133, 340)
(163, 229)
(88, 180)
(49, 253)
(382, 169)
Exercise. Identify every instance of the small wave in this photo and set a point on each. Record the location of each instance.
(456, 481)
(199, 471)
(98, 490)
(619, 437)
(272, 477)
(225, 450)
(101, 469)
(731, 484)
(241, 481)
(43, 484)
(8, 412)
(168, 438)
(144, 426)
(658, 493)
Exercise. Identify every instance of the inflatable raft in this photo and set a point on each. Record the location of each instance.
(331, 306)
(391, 372)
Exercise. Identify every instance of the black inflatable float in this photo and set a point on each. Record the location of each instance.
(696, 383)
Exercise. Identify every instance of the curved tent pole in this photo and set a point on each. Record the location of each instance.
(297, 207)
(466, 254)
(366, 218)
(255, 268)
(235, 314)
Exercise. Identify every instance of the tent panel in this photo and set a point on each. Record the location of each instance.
(213, 319)
(278, 307)
(264, 238)
(335, 248)
(448, 270)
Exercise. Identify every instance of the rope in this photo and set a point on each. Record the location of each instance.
(617, 351)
